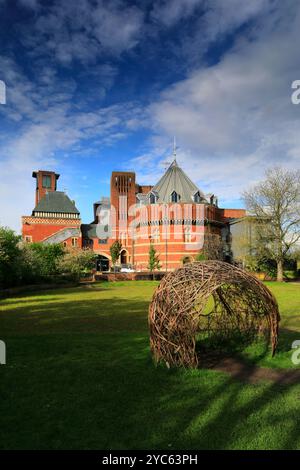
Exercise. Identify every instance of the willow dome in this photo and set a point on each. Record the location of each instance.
(176, 313)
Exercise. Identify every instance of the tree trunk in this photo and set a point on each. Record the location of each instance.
(280, 270)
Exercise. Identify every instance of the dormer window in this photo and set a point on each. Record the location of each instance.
(197, 197)
(152, 198)
(175, 197)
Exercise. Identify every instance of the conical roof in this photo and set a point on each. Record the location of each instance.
(175, 179)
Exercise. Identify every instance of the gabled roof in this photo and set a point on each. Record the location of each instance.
(56, 201)
(175, 179)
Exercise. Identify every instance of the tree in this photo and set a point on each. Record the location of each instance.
(10, 255)
(46, 257)
(77, 261)
(154, 262)
(276, 204)
(212, 247)
(115, 251)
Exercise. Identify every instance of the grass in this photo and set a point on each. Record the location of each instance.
(79, 375)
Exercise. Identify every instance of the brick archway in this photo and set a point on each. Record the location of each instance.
(124, 257)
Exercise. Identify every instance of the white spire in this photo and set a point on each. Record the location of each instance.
(174, 151)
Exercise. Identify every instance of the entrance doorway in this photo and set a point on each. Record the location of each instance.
(123, 257)
(102, 263)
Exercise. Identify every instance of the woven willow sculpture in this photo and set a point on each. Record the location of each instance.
(176, 314)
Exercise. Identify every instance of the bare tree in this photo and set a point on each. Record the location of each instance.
(212, 247)
(276, 204)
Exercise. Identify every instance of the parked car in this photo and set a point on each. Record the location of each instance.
(127, 268)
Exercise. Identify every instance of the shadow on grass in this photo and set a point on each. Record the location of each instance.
(102, 391)
(99, 315)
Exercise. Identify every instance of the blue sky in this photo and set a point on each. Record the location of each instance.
(95, 86)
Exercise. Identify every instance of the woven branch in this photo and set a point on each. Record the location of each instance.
(176, 314)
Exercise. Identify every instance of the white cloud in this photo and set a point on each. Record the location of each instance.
(215, 17)
(117, 28)
(169, 12)
(236, 118)
(84, 31)
(49, 125)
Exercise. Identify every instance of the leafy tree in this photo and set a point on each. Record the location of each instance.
(10, 255)
(154, 262)
(46, 257)
(77, 261)
(115, 251)
(276, 204)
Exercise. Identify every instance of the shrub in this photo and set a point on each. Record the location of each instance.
(77, 262)
(40, 261)
(10, 256)
(115, 251)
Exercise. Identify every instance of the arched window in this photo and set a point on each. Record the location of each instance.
(152, 198)
(175, 197)
(197, 197)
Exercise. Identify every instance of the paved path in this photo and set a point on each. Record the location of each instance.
(253, 374)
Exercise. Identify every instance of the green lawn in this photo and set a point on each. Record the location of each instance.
(79, 376)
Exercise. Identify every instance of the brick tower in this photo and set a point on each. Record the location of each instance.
(45, 182)
(122, 197)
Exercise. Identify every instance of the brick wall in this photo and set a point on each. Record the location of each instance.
(39, 228)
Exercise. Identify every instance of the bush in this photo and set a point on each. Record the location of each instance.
(39, 261)
(10, 256)
(77, 262)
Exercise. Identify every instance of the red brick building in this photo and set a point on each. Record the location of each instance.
(174, 216)
(55, 218)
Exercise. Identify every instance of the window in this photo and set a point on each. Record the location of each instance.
(152, 198)
(102, 241)
(65, 244)
(74, 241)
(187, 234)
(46, 181)
(28, 239)
(197, 197)
(175, 197)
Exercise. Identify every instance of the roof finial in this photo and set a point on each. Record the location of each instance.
(174, 149)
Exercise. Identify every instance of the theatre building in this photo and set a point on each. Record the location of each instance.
(174, 216)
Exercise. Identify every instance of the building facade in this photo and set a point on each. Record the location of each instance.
(174, 216)
(55, 218)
